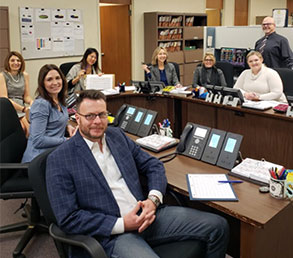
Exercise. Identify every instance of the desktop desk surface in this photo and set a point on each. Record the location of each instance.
(264, 227)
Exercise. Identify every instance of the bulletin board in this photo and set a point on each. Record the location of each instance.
(46, 33)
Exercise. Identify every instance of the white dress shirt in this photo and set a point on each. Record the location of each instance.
(125, 199)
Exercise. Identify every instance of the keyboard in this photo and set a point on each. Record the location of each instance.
(256, 171)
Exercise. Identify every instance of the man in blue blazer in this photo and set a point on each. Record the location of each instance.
(94, 189)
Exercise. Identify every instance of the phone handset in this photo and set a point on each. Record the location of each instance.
(119, 114)
(183, 138)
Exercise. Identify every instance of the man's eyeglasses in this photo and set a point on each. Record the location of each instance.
(267, 24)
(91, 117)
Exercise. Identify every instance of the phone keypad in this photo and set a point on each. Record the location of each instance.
(193, 150)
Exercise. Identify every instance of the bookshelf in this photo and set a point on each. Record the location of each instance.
(181, 33)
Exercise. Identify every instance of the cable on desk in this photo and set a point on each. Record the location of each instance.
(173, 155)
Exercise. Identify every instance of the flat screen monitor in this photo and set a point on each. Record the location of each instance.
(235, 93)
(156, 86)
(235, 56)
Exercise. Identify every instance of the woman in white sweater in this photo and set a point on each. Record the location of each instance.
(260, 82)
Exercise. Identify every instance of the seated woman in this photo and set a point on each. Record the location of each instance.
(161, 70)
(14, 85)
(48, 114)
(87, 65)
(208, 73)
(260, 82)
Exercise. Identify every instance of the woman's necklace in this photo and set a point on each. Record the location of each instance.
(12, 77)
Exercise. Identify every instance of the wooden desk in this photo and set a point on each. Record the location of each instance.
(266, 134)
(260, 225)
(265, 225)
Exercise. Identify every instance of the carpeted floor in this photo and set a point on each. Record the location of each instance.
(41, 246)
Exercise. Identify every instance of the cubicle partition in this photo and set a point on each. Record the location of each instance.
(266, 134)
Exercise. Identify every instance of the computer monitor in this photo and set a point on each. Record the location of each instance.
(235, 56)
(234, 93)
(141, 86)
(156, 86)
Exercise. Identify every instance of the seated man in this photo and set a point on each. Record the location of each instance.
(94, 189)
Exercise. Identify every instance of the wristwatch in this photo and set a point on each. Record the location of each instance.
(154, 199)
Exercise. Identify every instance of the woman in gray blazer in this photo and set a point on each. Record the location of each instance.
(161, 70)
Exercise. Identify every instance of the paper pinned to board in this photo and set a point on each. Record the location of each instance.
(100, 82)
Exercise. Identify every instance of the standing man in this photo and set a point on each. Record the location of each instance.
(94, 189)
(274, 48)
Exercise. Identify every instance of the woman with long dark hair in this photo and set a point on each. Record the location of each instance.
(48, 114)
(87, 65)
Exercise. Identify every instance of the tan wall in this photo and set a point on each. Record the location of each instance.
(91, 30)
(263, 8)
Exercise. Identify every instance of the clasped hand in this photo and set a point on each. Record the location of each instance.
(133, 221)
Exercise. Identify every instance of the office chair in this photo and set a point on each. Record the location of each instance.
(176, 69)
(37, 176)
(65, 67)
(14, 183)
(228, 71)
(287, 78)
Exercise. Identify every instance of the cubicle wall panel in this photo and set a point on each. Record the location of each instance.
(263, 137)
(199, 113)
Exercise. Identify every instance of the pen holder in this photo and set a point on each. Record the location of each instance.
(277, 188)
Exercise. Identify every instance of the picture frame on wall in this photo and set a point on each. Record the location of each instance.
(280, 16)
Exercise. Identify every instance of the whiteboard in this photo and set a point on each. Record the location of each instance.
(245, 36)
(46, 33)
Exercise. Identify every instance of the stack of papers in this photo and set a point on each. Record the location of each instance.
(260, 105)
(156, 142)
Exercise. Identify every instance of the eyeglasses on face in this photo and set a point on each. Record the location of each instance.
(209, 60)
(267, 24)
(91, 117)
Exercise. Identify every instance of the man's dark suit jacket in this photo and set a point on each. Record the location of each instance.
(81, 199)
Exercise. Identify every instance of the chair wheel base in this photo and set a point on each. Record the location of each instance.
(18, 256)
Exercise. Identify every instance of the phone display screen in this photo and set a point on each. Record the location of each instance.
(200, 132)
(214, 141)
(130, 110)
(138, 116)
(148, 119)
(230, 145)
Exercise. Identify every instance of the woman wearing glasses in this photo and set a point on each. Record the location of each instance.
(208, 73)
(48, 114)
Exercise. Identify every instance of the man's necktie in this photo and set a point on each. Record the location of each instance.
(263, 44)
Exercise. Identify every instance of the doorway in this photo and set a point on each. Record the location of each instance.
(116, 42)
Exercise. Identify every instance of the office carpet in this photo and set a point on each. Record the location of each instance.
(41, 246)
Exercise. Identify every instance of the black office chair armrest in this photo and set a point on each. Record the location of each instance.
(14, 165)
(88, 243)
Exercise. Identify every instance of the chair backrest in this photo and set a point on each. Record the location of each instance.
(12, 138)
(37, 177)
(176, 69)
(65, 67)
(228, 71)
(287, 78)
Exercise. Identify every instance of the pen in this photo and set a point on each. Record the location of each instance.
(231, 181)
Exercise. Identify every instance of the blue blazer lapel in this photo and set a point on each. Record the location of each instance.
(85, 153)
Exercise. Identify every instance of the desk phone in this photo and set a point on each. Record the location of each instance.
(193, 140)
(124, 115)
(136, 120)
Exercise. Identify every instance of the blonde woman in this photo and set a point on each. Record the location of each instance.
(161, 70)
(208, 73)
(14, 85)
(260, 82)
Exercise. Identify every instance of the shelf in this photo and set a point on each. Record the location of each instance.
(190, 26)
